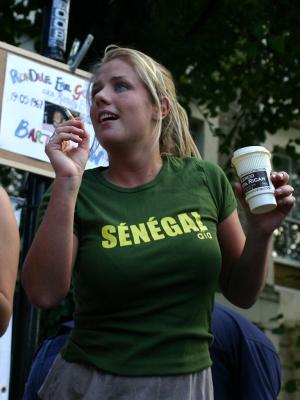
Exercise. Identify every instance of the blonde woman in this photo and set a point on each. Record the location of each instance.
(9, 256)
(145, 241)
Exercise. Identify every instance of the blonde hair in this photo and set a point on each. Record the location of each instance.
(172, 130)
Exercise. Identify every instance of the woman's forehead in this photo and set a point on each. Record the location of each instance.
(115, 67)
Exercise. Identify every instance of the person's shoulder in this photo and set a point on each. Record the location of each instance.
(230, 316)
(231, 319)
(194, 163)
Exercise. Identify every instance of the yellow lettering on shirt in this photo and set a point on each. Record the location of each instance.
(124, 236)
(170, 226)
(188, 225)
(154, 229)
(107, 233)
(139, 233)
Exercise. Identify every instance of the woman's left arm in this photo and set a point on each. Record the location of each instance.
(244, 260)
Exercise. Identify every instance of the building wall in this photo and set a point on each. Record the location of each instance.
(277, 309)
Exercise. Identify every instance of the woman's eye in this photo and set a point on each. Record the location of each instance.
(121, 87)
(93, 93)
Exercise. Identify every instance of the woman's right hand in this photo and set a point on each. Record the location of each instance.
(68, 161)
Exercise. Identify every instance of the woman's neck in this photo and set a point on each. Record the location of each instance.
(133, 172)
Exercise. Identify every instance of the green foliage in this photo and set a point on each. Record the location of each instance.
(220, 52)
(11, 179)
(279, 330)
(19, 20)
(292, 385)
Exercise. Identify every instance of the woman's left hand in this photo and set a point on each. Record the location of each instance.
(268, 222)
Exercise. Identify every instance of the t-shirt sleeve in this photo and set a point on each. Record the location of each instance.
(221, 190)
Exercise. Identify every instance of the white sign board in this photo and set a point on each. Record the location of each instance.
(33, 97)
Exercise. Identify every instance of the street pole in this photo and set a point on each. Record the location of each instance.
(25, 316)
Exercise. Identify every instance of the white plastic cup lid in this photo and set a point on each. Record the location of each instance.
(250, 149)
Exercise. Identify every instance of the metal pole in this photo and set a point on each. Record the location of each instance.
(25, 318)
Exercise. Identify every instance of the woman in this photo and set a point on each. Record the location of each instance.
(9, 255)
(144, 242)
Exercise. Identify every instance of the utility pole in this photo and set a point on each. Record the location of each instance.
(26, 316)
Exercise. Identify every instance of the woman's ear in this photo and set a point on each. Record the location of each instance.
(165, 106)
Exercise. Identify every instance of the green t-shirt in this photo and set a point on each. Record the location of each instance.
(147, 269)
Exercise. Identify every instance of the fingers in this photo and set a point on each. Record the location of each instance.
(288, 201)
(284, 194)
(58, 138)
(284, 191)
(279, 178)
(68, 131)
(285, 197)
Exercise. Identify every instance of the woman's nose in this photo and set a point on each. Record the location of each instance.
(102, 96)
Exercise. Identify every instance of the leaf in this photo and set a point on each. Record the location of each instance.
(292, 385)
(277, 317)
(279, 330)
(277, 43)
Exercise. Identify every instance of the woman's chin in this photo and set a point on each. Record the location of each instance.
(110, 142)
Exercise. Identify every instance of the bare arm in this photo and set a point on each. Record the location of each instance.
(244, 267)
(244, 261)
(9, 256)
(47, 270)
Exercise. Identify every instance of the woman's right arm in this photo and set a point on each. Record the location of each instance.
(47, 269)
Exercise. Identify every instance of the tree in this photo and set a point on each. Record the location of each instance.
(220, 52)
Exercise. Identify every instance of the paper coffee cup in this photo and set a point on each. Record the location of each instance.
(253, 166)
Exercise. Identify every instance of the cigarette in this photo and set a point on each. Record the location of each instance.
(65, 144)
(68, 113)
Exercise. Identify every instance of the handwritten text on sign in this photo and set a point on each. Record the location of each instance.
(33, 96)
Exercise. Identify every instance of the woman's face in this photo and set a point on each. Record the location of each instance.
(57, 117)
(122, 112)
